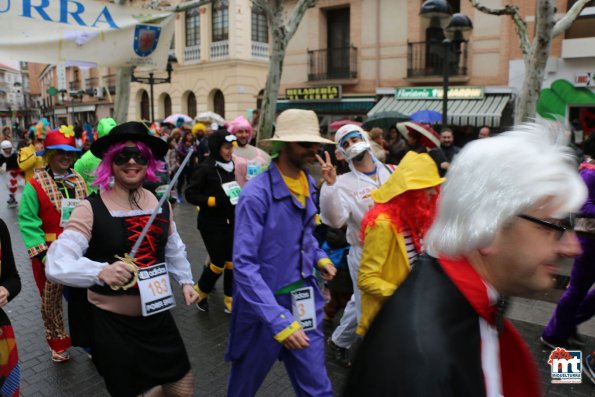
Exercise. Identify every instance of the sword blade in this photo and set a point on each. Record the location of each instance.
(145, 230)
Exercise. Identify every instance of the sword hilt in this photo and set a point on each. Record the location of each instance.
(130, 260)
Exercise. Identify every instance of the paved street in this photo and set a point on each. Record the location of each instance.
(205, 336)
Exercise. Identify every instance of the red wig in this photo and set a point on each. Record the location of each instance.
(411, 210)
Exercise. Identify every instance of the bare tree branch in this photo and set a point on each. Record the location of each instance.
(513, 12)
(296, 17)
(265, 7)
(564, 23)
(187, 5)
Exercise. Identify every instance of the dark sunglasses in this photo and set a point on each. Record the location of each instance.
(130, 153)
(307, 145)
(560, 225)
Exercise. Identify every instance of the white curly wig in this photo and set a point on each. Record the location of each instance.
(492, 180)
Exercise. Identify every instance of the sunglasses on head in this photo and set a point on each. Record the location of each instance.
(130, 153)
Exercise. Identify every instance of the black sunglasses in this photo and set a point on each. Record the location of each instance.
(130, 153)
(307, 145)
(560, 225)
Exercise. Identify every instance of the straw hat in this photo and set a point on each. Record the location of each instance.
(297, 125)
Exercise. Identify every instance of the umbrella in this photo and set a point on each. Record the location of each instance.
(335, 125)
(173, 119)
(430, 138)
(209, 117)
(384, 120)
(426, 116)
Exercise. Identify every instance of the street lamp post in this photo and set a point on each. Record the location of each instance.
(457, 29)
(151, 81)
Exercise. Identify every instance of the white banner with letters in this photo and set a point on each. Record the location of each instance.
(67, 31)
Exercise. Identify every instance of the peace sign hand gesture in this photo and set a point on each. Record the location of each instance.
(329, 174)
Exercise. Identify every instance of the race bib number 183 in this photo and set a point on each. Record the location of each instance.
(155, 289)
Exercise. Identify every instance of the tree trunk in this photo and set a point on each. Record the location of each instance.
(536, 62)
(269, 103)
(123, 78)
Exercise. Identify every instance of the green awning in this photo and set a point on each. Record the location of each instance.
(476, 112)
(357, 105)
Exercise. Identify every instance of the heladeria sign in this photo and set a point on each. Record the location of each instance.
(437, 93)
(325, 93)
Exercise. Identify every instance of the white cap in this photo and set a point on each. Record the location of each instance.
(6, 145)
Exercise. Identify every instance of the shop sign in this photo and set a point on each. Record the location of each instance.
(584, 80)
(437, 93)
(325, 93)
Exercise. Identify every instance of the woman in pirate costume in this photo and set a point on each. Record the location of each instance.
(10, 286)
(47, 201)
(135, 343)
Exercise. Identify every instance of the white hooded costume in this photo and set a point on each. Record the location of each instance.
(345, 203)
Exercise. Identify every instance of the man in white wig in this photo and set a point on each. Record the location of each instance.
(503, 222)
(343, 201)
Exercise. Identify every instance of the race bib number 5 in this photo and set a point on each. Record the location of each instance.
(155, 289)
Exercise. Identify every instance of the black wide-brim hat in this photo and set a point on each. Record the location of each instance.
(130, 131)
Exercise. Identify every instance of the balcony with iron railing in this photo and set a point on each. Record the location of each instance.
(91, 82)
(220, 49)
(109, 81)
(425, 61)
(260, 50)
(332, 64)
(74, 85)
(192, 53)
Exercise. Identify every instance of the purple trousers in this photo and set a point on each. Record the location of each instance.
(305, 367)
(577, 304)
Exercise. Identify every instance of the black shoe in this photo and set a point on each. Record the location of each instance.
(203, 305)
(339, 354)
(576, 340)
(552, 344)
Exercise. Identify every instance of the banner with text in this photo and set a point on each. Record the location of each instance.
(86, 31)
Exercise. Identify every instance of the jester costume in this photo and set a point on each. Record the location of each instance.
(10, 374)
(41, 221)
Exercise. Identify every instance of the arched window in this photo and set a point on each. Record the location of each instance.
(260, 27)
(192, 27)
(219, 103)
(144, 107)
(191, 103)
(167, 105)
(220, 21)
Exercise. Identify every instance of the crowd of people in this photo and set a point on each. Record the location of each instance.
(429, 239)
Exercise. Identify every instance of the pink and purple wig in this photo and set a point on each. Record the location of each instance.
(104, 173)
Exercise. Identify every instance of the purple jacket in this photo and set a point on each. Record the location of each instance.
(271, 230)
(587, 172)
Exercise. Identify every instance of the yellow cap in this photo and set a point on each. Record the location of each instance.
(416, 171)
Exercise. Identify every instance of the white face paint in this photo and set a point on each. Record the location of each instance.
(356, 149)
